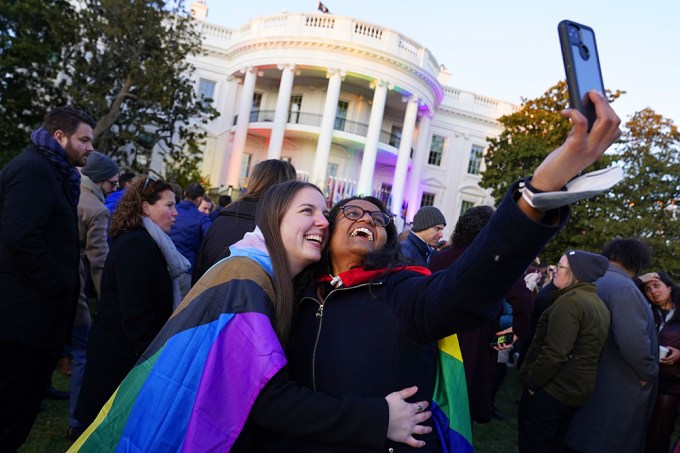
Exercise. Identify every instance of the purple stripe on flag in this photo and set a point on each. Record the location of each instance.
(243, 358)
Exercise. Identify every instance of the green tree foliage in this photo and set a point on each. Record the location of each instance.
(131, 72)
(35, 37)
(529, 135)
(123, 61)
(647, 201)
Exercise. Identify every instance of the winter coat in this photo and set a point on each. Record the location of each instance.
(374, 338)
(39, 253)
(569, 339)
(615, 419)
(231, 225)
(669, 375)
(416, 249)
(190, 227)
(136, 301)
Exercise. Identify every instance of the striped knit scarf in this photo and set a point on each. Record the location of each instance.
(51, 149)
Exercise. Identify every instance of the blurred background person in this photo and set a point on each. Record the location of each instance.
(238, 218)
(664, 295)
(223, 202)
(113, 198)
(426, 231)
(189, 229)
(207, 206)
(558, 372)
(99, 179)
(138, 288)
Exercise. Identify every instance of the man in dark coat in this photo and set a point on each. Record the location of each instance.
(426, 231)
(39, 259)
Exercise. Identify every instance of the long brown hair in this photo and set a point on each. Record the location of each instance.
(266, 174)
(127, 215)
(270, 211)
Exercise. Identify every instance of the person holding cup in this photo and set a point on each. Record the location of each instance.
(662, 294)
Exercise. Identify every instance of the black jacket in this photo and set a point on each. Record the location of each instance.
(370, 340)
(39, 253)
(230, 226)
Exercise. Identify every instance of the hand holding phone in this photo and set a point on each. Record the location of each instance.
(582, 66)
(500, 340)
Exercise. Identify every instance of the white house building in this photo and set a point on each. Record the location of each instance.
(356, 108)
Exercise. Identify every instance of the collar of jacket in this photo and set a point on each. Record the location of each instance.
(359, 275)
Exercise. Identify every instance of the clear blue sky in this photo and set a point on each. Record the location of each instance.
(509, 50)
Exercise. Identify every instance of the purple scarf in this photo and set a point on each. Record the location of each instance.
(51, 149)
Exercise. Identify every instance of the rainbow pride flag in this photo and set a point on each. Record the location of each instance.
(450, 407)
(193, 388)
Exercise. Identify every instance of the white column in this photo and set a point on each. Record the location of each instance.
(281, 114)
(226, 119)
(323, 147)
(241, 133)
(401, 168)
(365, 184)
(419, 157)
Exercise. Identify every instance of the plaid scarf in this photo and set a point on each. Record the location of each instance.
(51, 149)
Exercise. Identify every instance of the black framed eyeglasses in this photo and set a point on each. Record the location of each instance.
(114, 184)
(354, 212)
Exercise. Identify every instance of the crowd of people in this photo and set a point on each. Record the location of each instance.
(210, 324)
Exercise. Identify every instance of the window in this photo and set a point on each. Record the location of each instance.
(385, 192)
(427, 199)
(465, 205)
(255, 110)
(436, 150)
(341, 115)
(206, 89)
(476, 155)
(395, 136)
(294, 109)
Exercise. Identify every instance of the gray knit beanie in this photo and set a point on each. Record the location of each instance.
(587, 267)
(99, 167)
(427, 217)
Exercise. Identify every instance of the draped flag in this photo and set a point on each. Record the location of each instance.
(450, 407)
(321, 7)
(193, 388)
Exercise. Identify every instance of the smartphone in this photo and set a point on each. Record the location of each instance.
(582, 66)
(502, 339)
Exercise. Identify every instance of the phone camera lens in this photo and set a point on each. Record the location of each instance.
(584, 51)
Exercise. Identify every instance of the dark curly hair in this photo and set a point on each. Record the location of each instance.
(127, 215)
(633, 254)
(470, 224)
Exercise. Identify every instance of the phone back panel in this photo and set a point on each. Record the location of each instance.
(581, 64)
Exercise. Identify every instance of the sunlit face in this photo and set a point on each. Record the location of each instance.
(162, 212)
(304, 229)
(563, 276)
(353, 240)
(205, 207)
(78, 146)
(432, 235)
(658, 292)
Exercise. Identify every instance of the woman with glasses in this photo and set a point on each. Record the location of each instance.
(370, 324)
(558, 372)
(138, 287)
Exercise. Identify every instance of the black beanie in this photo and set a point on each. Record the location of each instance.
(427, 217)
(587, 267)
(99, 167)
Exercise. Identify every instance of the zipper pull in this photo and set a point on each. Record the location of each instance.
(319, 312)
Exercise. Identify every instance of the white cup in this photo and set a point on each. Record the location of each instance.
(663, 352)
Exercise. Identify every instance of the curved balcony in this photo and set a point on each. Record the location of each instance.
(388, 141)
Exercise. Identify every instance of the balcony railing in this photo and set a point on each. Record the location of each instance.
(314, 120)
